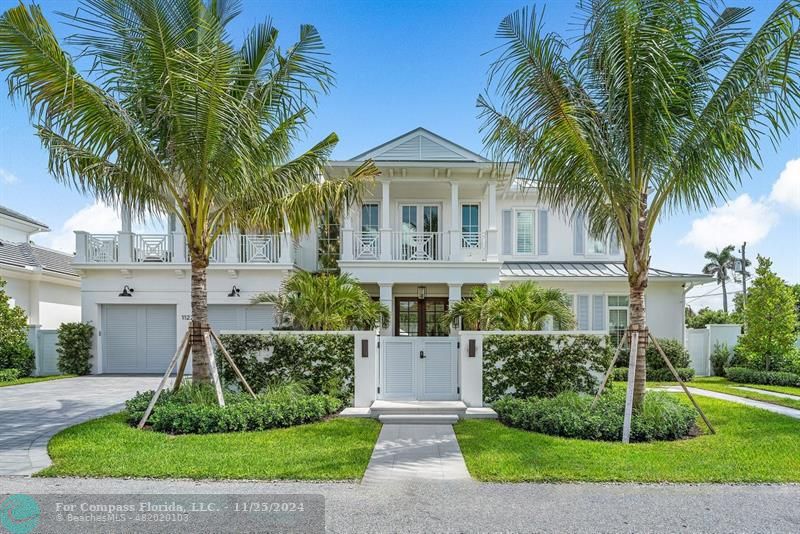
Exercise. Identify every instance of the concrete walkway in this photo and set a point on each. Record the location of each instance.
(769, 393)
(783, 410)
(30, 414)
(406, 452)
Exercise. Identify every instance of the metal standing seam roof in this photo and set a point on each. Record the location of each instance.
(588, 269)
(28, 255)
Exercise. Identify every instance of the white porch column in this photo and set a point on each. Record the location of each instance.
(231, 245)
(491, 230)
(179, 247)
(125, 217)
(386, 223)
(287, 244)
(34, 298)
(387, 300)
(471, 369)
(81, 242)
(125, 251)
(347, 233)
(455, 229)
(453, 296)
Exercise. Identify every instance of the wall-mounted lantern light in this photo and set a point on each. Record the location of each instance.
(471, 350)
(127, 291)
(234, 292)
(421, 292)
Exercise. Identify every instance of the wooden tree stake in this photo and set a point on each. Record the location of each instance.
(182, 365)
(626, 423)
(212, 361)
(610, 369)
(232, 363)
(678, 378)
(164, 379)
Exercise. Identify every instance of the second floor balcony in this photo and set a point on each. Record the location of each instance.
(171, 248)
(411, 246)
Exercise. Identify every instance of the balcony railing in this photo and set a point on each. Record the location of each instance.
(367, 246)
(171, 248)
(416, 246)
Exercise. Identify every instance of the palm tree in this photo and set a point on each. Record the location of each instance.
(172, 118)
(718, 264)
(658, 106)
(325, 302)
(520, 306)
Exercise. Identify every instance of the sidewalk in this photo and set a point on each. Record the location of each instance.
(783, 410)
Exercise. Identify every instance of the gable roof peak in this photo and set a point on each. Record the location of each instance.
(420, 144)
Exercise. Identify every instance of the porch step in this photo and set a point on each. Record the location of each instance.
(418, 419)
(383, 407)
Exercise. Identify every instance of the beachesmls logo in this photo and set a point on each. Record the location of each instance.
(19, 513)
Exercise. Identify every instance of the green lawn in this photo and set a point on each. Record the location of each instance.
(723, 385)
(33, 379)
(336, 449)
(751, 445)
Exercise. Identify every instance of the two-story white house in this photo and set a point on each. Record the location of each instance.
(440, 221)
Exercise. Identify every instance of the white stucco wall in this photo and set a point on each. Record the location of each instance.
(164, 285)
(46, 302)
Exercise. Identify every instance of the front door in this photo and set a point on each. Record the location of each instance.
(418, 368)
(420, 317)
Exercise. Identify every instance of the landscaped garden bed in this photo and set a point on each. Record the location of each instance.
(750, 445)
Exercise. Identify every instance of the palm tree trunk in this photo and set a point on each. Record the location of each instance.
(201, 374)
(637, 280)
(724, 297)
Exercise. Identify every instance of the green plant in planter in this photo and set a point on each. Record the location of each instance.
(74, 348)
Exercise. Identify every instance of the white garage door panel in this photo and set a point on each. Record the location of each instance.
(241, 316)
(138, 338)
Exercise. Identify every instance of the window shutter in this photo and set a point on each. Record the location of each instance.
(582, 314)
(614, 244)
(598, 312)
(542, 232)
(507, 233)
(579, 241)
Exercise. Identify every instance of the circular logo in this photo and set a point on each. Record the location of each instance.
(19, 513)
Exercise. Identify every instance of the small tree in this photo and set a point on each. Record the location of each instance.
(708, 316)
(75, 348)
(14, 350)
(771, 320)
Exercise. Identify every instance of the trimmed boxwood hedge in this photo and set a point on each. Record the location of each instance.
(542, 365)
(323, 362)
(657, 375)
(570, 415)
(176, 414)
(744, 375)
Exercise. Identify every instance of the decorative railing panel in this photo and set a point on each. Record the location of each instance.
(102, 248)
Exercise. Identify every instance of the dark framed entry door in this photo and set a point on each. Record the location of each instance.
(420, 317)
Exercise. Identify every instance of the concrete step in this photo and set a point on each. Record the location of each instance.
(418, 419)
(380, 407)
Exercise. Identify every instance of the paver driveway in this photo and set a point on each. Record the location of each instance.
(30, 414)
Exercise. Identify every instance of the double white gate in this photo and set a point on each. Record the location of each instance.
(418, 368)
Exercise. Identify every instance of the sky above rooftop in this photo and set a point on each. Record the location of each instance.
(410, 63)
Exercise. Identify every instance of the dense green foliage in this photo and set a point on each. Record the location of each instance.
(657, 375)
(518, 306)
(326, 301)
(570, 415)
(720, 358)
(8, 375)
(197, 412)
(542, 365)
(769, 339)
(324, 362)
(334, 449)
(14, 350)
(657, 370)
(745, 375)
(708, 316)
(74, 348)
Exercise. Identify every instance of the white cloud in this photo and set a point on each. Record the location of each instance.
(786, 190)
(7, 177)
(739, 220)
(97, 218)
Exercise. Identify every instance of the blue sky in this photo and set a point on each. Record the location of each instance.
(410, 63)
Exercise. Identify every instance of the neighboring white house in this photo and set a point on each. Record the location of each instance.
(41, 281)
(440, 221)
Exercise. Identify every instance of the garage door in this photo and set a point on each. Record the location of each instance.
(138, 338)
(241, 316)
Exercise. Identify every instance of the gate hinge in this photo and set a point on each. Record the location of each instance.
(379, 344)
(458, 344)
(458, 389)
(379, 389)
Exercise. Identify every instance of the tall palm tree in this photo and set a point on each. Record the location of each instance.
(520, 306)
(658, 106)
(718, 264)
(325, 302)
(172, 118)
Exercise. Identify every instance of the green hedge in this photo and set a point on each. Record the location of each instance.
(323, 362)
(74, 348)
(675, 351)
(542, 365)
(744, 375)
(657, 375)
(176, 415)
(570, 415)
(8, 375)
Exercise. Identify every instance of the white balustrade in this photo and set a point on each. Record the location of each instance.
(367, 246)
(418, 246)
(260, 249)
(152, 248)
(102, 248)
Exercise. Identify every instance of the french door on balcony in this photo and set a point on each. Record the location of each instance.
(420, 237)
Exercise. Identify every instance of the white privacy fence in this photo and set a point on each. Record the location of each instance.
(43, 343)
(700, 343)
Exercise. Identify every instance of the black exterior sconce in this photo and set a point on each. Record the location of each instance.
(234, 292)
(127, 291)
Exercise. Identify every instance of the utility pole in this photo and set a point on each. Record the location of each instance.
(744, 282)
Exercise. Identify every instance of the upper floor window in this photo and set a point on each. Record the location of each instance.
(597, 246)
(470, 225)
(369, 219)
(524, 231)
